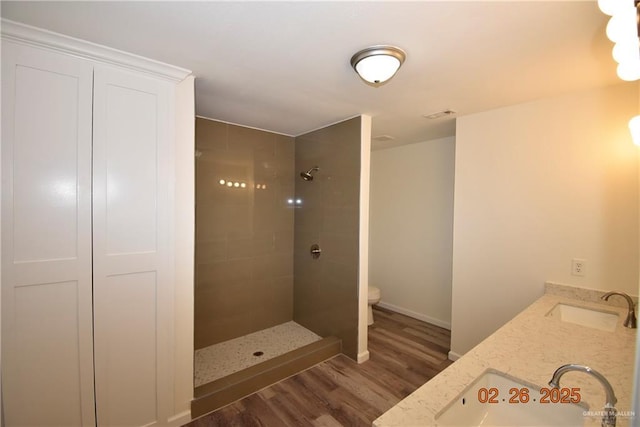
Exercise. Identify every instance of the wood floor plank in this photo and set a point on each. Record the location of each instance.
(411, 360)
(293, 406)
(289, 412)
(408, 345)
(260, 411)
(431, 333)
(370, 375)
(326, 420)
(404, 354)
(357, 385)
(406, 321)
(397, 385)
(339, 403)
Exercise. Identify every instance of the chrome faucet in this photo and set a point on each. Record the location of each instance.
(609, 417)
(630, 321)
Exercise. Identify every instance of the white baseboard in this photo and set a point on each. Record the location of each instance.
(415, 315)
(453, 356)
(363, 357)
(180, 419)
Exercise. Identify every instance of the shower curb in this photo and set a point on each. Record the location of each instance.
(216, 394)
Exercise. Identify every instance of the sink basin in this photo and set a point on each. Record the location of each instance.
(467, 410)
(597, 319)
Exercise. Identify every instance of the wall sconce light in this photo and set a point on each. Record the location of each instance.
(624, 30)
(634, 127)
(377, 64)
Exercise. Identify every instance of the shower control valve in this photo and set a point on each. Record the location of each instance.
(315, 251)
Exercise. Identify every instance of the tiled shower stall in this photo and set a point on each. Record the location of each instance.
(257, 284)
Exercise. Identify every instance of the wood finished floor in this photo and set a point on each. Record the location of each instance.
(404, 354)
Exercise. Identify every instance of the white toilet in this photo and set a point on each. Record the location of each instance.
(374, 298)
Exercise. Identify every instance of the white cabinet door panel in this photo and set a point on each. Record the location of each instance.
(131, 152)
(133, 309)
(46, 338)
(45, 171)
(127, 357)
(47, 344)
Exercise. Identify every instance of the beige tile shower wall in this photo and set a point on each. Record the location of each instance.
(326, 289)
(244, 235)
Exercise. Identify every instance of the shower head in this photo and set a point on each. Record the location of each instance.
(307, 176)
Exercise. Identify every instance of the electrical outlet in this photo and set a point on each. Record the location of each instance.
(578, 267)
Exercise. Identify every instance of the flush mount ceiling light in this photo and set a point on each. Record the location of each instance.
(377, 64)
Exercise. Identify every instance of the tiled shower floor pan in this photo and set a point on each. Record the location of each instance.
(219, 360)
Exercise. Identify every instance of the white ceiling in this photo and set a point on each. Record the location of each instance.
(284, 66)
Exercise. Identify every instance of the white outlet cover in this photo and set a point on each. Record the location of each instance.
(578, 267)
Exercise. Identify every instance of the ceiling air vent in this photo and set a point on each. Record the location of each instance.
(383, 138)
(439, 114)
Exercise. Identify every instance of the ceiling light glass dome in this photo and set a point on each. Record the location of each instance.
(378, 64)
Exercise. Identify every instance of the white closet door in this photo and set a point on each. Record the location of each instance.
(47, 354)
(133, 305)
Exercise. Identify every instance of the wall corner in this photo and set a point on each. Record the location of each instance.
(363, 265)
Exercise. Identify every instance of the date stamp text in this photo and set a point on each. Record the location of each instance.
(524, 395)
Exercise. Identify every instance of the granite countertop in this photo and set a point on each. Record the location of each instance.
(531, 347)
